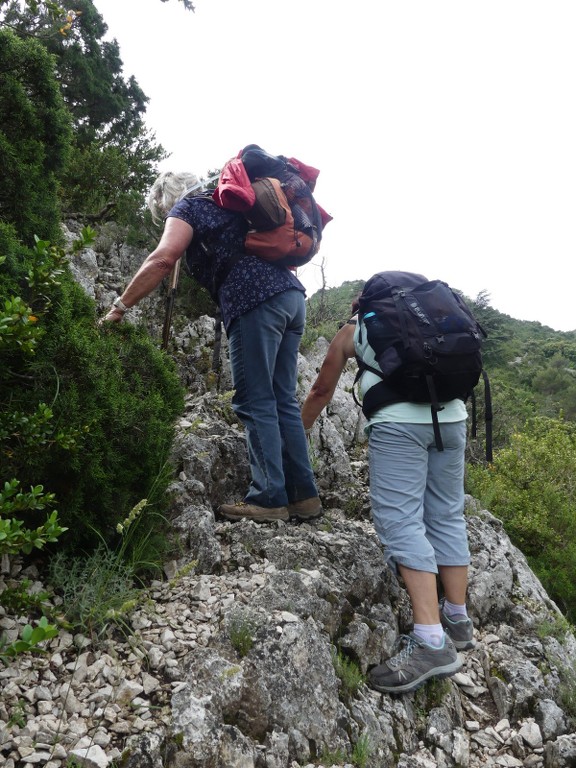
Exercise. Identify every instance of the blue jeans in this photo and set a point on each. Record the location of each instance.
(417, 494)
(263, 346)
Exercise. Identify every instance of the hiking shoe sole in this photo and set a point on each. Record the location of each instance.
(243, 511)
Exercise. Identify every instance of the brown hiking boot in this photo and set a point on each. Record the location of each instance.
(243, 511)
(307, 509)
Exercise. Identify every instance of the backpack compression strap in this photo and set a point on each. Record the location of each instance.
(435, 407)
(398, 295)
(488, 415)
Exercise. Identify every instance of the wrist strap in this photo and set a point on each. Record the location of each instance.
(119, 304)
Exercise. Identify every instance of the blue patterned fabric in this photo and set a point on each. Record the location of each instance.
(251, 280)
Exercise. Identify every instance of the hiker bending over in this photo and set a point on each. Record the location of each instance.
(263, 311)
(417, 497)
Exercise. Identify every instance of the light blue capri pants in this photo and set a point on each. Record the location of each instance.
(417, 494)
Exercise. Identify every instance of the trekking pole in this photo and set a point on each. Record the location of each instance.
(216, 362)
(170, 303)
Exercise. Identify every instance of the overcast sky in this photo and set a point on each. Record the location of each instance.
(444, 130)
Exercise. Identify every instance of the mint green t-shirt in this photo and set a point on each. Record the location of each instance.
(403, 413)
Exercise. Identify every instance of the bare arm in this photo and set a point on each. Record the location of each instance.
(176, 237)
(340, 350)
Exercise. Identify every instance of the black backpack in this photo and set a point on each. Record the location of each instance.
(426, 342)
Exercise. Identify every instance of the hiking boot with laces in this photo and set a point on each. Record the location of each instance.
(307, 509)
(417, 662)
(459, 627)
(244, 511)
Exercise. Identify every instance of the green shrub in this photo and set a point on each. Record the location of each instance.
(103, 586)
(127, 392)
(86, 412)
(530, 487)
(29, 640)
(14, 536)
(35, 137)
(361, 752)
(348, 671)
(95, 588)
(23, 432)
(241, 633)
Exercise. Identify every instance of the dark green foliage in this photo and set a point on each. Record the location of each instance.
(495, 348)
(112, 155)
(34, 138)
(115, 382)
(28, 519)
(88, 413)
(530, 487)
(192, 301)
(106, 181)
(88, 68)
(327, 309)
(113, 395)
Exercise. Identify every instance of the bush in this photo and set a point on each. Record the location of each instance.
(35, 137)
(22, 430)
(125, 393)
(14, 537)
(104, 586)
(530, 487)
(88, 413)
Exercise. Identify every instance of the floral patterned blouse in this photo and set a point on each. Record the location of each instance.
(218, 239)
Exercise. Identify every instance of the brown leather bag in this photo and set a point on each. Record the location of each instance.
(273, 235)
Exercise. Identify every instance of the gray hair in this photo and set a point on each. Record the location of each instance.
(168, 189)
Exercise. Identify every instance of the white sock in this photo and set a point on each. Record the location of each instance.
(451, 609)
(433, 634)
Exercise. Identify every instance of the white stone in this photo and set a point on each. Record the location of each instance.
(38, 757)
(502, 725)
(531, 734)
(127, 691)
(155, 657)
(92, 757)
(463, 679)
(149, 683)
(508, 761)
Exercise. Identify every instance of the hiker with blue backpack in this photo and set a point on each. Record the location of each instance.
(262, 304)
(416, 449)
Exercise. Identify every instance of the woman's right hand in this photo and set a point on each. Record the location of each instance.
(115, 315)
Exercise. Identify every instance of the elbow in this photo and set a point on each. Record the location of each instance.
(320, 396)
(320, 393)
(163, 265)
(163, 261)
